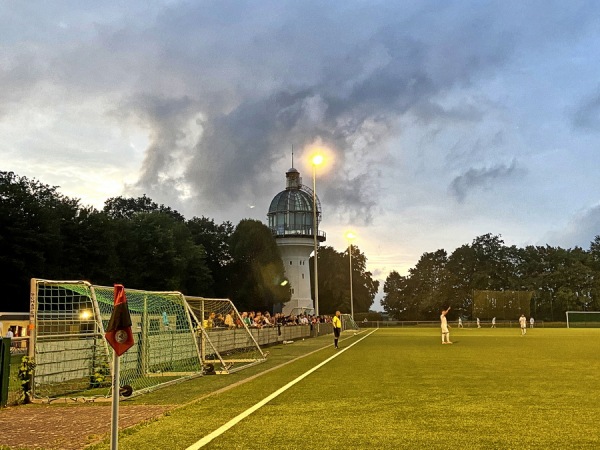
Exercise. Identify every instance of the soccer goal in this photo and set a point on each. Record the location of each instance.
(348, 323)
(73, 359)
(583, 319)
(226, 342)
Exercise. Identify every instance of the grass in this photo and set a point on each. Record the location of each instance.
(399, 388)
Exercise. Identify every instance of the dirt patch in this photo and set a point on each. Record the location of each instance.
(69, 427)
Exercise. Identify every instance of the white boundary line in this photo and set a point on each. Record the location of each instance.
(222, 429)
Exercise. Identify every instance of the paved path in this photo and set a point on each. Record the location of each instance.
(68, 427)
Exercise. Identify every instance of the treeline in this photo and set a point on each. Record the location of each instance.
(143, 245)
(560, 279)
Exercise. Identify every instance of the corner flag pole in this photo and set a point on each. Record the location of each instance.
(119, 336)
(114, 430)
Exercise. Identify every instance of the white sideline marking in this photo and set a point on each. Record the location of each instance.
(222, 429)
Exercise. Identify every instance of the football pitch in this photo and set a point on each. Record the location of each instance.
(399, 388)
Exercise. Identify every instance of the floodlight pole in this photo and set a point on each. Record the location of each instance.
(315, 232)
(351, 292)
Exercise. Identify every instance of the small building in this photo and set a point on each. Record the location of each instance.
(15, 321)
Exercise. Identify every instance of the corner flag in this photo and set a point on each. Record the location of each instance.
(118, 333)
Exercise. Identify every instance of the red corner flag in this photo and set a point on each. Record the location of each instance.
(118, 333)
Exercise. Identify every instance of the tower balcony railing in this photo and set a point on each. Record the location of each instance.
(282, 231)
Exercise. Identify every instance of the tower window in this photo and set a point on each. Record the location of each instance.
(290, 263)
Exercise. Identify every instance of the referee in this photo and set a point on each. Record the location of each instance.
(337, 328)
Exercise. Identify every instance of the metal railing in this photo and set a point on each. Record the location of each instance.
(436, 323)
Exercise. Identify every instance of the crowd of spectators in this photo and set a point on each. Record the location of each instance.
(258, 319)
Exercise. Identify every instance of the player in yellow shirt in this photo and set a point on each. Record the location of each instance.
(337, 328)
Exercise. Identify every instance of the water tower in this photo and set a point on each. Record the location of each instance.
(291, 222)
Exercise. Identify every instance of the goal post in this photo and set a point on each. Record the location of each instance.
(583, 319)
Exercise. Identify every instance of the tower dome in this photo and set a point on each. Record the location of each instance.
(291, 210)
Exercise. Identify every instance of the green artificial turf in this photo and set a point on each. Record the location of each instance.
(400, 388)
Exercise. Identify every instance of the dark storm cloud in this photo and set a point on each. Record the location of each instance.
(477, 179)
(225, 88)
(344, 77)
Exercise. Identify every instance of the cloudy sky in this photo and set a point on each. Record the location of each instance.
(443, 120)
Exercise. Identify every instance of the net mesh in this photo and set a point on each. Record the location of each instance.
(348, 323)
(164, 348)
(170, 341)
(227, 345)
(583, 319)
(70, 353)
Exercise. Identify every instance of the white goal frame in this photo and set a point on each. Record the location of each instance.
(578, 312)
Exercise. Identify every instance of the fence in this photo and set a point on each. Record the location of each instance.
(225, 340)
(436, 323)
(12, 392)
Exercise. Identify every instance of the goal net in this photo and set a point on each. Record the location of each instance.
(504, 305)
(583, 319)
(348, 323)
(68, 321)
(226, 344)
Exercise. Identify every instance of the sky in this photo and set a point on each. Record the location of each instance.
(440, 120)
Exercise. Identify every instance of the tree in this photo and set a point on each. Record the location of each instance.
(34, 218)
(127, 208)
(429, 280)
(492, 268)
(398, 300)
(461, 268)
(257, 271)
(157, 252)
(334, 281)
(364, 286)
(215, 240)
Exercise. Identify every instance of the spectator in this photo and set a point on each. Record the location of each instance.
(258, 320)
(219, 321)
(228, 321)
(246, 319)
(267, 319)
(209, 322)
